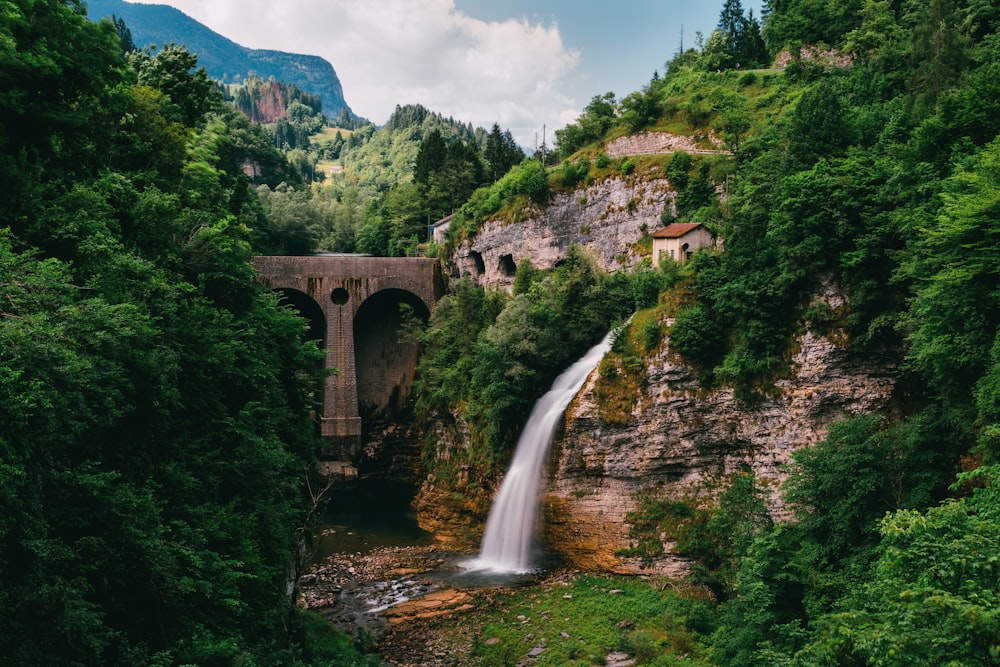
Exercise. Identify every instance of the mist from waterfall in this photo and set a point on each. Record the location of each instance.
(508, 542)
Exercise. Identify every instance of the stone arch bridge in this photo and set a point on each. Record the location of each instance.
(352, 304)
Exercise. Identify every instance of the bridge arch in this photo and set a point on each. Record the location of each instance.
(385, 359)
(359, 299)
(308, 309)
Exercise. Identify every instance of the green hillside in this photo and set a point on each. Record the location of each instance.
(868, 163)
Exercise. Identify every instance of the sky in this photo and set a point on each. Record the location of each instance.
(529, 65)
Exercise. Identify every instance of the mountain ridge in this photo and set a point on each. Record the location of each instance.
(224, 59)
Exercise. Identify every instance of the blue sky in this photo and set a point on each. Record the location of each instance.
(524, 64)
(620, 43)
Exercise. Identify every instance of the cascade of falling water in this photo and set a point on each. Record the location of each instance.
(510, 528)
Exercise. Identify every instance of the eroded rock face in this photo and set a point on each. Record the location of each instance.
(681, 437)
(607, 218)
(453, 510)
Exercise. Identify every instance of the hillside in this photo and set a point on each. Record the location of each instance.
(222, 58)
(804, 421)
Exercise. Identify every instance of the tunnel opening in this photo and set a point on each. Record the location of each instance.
(385, 360)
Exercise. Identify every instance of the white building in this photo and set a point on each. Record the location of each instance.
(680, 240)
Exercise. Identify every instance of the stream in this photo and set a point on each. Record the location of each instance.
(370, 556)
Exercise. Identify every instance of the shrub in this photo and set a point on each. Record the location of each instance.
(695, 335)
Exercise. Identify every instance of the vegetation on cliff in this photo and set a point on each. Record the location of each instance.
(869, 162)
(881, 177)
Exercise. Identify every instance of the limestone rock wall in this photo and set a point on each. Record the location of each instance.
(607, 218)
(681, 437)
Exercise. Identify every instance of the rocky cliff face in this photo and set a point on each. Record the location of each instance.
(681, 437)
(608, 218)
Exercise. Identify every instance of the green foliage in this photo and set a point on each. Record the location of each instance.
(501, 152)
(488, 358)
(155, 399)
(890, 468)
(533, 339)
(172, 71)
(524, 185)
(696, 336)
(641, 108)
(809, 22)
(954, 314)
(572, 173)
(714, 535)
(931, 598)
(595, 121)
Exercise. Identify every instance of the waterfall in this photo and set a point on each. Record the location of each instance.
(510, 527)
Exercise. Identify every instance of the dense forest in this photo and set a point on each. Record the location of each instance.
(156, 453)
(156, 449)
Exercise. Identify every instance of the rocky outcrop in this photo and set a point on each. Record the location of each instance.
(681, 437)
(450, 507)
(607, 218)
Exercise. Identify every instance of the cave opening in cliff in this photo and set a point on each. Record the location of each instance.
(507, 265)
(477, 259)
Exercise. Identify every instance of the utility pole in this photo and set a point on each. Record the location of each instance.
(543, 144)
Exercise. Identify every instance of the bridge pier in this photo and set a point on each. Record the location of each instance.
(340, 417)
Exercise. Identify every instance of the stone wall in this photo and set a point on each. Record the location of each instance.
(651, 143)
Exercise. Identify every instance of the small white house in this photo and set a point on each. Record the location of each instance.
(437, 229)
(680, 240)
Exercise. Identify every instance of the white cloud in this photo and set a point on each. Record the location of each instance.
(389, 52)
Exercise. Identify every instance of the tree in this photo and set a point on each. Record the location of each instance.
(732, 22)
(154, 397)
(641, 108)
(174, 71)
(596, 119)
(430, 156)
(953, 317)
(124, 35)
(719, 52)
(931, 596)
(817, 124)
(501, 152)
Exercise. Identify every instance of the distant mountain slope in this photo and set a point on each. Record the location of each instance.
(222, 58)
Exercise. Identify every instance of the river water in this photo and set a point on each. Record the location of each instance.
(364, 515)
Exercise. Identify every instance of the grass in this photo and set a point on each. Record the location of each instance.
(329, 134)
(580, 619)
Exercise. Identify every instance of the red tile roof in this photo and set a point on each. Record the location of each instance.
(676, 230)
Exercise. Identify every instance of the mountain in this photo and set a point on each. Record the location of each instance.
(222, 58)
